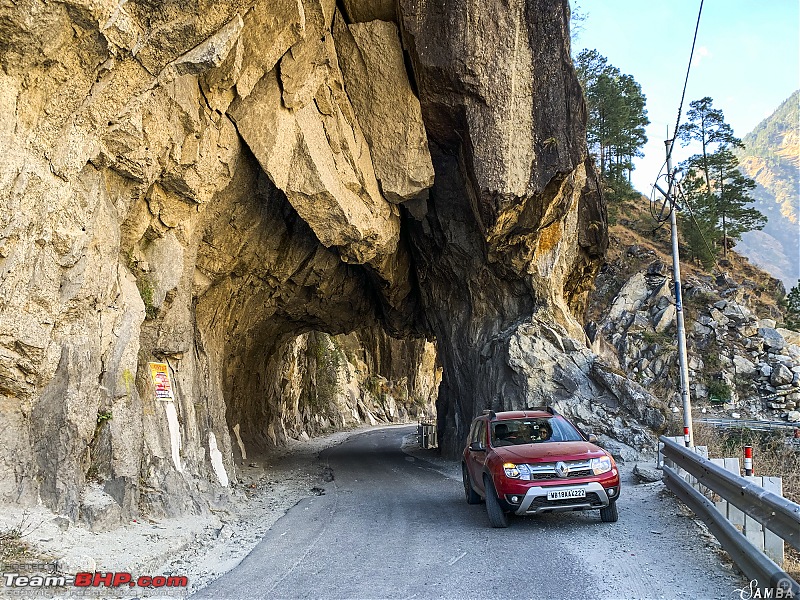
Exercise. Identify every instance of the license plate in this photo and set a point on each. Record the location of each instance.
(566, 494)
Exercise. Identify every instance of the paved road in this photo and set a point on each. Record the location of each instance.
(394, 526)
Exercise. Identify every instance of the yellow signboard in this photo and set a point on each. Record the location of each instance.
(160, 374)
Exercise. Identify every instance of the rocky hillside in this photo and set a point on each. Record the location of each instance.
(281, 201)
(772, 158)
(741, 362)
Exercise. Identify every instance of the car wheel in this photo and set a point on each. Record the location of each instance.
(469, 492)
(497, 517)
(609, 513)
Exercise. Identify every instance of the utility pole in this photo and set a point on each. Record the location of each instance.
(688, 432)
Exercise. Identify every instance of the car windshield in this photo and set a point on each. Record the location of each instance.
(513, 432)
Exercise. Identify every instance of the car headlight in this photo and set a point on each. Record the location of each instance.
(601, 465)
(514, 471)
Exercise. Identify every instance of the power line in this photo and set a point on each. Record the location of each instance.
(662, 216)
(688, 69)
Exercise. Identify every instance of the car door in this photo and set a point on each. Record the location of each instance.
(476, 459)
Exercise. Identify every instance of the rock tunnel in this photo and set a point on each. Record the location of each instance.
(313, 212)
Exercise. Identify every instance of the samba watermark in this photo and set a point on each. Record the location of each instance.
(782, 590)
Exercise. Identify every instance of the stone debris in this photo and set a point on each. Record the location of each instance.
(735, 358)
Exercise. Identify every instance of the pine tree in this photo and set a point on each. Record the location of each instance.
(617, 116)
(706, 125)
(734, 202)
(714, 187)
(793, 308)
(697, 221)
(719, 196)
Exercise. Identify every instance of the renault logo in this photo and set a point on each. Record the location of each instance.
(562, 470)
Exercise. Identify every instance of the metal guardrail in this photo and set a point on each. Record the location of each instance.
(749, 424)
(428, 436)
(778, 514)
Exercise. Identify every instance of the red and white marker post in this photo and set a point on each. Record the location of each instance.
(748, 460)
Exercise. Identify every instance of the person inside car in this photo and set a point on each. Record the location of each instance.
(501, 435)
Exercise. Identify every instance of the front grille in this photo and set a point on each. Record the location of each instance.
(545, 471)
(571, 475)
(541, 502)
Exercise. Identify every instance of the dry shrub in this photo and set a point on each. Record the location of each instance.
(772, 456)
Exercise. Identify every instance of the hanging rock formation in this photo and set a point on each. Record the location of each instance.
(281, 200)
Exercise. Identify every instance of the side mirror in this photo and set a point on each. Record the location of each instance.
(592, 438)
(477, 447)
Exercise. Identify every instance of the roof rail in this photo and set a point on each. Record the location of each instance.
(489, 412)
(548, 409)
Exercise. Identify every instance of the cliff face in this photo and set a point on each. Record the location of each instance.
(268, 196)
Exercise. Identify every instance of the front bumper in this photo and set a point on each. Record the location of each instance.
(535, 500)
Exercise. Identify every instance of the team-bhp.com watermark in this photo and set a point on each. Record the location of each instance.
(46, 577)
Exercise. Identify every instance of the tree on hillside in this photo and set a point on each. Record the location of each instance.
(793, 308)
(617, 117)
(714, 187)
(719, 196)
(706, 124)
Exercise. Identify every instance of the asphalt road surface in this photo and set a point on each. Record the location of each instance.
(394, 526)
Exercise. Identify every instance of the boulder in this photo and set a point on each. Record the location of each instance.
(99, 510)
(791, 337)
(646, 474)
(793, 417)
(629, 298)
(371, 60)
(743, 366)
(781, 375)
(621, 452)
(665, 318)
(772, 339)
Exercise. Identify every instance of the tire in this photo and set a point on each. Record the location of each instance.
(497, 516)
(609, 513)
(471, 495)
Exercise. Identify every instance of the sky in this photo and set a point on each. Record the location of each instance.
(747, 58)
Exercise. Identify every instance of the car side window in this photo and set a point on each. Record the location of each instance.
(478, 433)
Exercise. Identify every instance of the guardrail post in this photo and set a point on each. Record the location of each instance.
(773, 544)
(753, 530)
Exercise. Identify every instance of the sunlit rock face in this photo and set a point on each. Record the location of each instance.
(280, 200)
(515, 222)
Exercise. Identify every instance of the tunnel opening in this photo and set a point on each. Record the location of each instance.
(300, 336)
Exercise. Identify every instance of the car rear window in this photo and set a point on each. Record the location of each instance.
(513, 432)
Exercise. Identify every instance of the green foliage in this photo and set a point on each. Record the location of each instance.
(617, 119)
(718, 391)
(706, 124)
(791, 305)
(717, 195)
(103, 416)
(147, 292)
(663, 338)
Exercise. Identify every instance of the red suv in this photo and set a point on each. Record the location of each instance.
(533, 461)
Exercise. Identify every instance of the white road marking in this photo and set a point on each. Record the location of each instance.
(456, 559)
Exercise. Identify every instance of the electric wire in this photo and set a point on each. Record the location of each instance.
(686, 80)
(662, 217)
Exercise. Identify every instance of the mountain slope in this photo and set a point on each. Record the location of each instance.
(772, 158)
